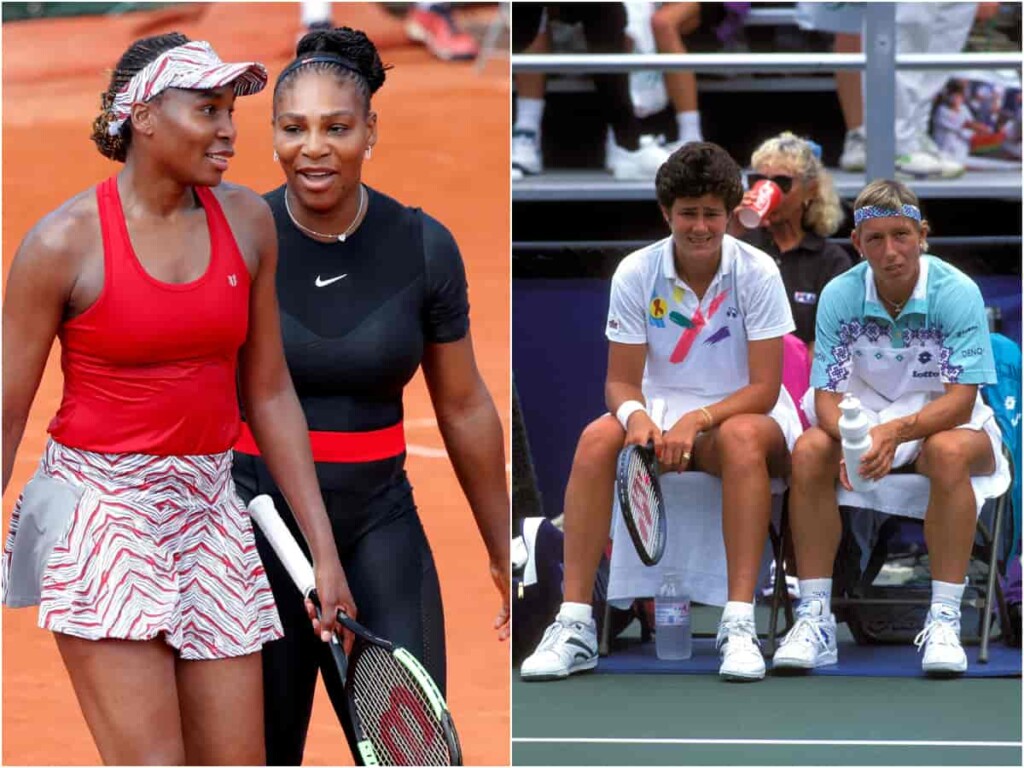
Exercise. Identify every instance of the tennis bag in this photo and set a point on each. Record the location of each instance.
(537, 586)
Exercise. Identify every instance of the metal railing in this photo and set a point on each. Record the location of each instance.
(879, 63)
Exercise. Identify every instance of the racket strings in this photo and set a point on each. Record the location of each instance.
(395, 713)
(643, 499)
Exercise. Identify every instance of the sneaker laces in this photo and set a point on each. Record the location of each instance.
(743, 628)
(942, 628)
(808, 630)
(553, 634)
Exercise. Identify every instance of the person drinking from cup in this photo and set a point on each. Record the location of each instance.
(907, 334)
(789, 210)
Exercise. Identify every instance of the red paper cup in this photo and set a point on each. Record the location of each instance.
(767, 196)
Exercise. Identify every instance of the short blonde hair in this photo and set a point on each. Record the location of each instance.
(889, 193)
(825, 213)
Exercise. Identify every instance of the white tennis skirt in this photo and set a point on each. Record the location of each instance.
(132, 546)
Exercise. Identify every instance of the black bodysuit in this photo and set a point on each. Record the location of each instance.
(355, 318)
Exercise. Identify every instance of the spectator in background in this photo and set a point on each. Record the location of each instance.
(629, 156)
(433, 25)
(794, 232)
(527, 159)
(920, 28)
(671, 23)
(954, 124)
(428, 23)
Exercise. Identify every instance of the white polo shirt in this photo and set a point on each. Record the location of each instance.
(697, 347)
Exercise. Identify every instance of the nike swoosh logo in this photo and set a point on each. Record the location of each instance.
(321, 283)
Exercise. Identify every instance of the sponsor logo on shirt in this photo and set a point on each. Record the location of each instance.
(731, 312)
(925, 374)
(720, 335)
(964, 332)
(924, 358)
(657, 311)
(232, 280)
(973, 352)
(613, 324)
(805, 297)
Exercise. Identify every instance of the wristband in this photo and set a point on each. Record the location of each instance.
(627, 409)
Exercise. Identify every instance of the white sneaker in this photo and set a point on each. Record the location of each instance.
(943, 653)
(526, 156)
(948, 167)
(641, 164)
(855, 155)
(812, 640)
(671, 146)
(740, 649)
(928, 162)
(567, 646)
(918, 165)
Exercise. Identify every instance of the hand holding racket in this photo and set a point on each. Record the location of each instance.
(639, 493)
(396, 714)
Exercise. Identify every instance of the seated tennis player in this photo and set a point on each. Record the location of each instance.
(908, 335)
(698, 319)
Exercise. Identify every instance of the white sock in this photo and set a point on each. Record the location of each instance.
(689, 126)
(734, 609)
(948, 595)
(529, 113)
(817, 589)
(577, 612)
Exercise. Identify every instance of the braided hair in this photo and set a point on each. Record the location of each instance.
(357, 60)
(139, 54)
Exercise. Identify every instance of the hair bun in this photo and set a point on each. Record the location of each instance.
(351, 44)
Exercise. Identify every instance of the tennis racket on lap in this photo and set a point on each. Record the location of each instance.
(640, 498)
(396, 712)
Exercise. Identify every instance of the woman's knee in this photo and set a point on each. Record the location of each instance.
(745, 441)
(815, 456)
(946, 457)
(599, 443)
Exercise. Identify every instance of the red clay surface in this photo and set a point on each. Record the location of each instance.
(443, 146)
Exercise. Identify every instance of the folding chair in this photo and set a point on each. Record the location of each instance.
(987, 544)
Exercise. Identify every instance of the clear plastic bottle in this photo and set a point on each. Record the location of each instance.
(672, 637)
(854, 429)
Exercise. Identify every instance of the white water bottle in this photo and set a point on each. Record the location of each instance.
(854, 429)
(672, 638)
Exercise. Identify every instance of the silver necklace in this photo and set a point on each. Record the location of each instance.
(340, 238)
(896, 307)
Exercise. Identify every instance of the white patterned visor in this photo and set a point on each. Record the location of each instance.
(193, 66)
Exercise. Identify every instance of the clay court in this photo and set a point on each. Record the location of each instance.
(443, 146)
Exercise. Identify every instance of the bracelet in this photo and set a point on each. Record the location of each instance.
(627, 409)
(708, 416)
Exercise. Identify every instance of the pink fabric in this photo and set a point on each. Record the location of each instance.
(796, 370)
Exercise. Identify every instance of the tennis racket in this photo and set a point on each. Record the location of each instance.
(396, 713)
(639, 491)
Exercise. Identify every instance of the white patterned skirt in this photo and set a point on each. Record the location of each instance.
(132, 546)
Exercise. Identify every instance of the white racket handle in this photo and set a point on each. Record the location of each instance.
(265, 514)
(658, 412)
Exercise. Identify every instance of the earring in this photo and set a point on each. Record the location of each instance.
(276, 158)
(369, 152)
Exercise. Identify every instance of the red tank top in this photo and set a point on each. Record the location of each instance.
(150, 366)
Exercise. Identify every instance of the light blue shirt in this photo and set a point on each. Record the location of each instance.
(940, 337)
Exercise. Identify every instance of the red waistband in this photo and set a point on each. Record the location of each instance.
(341, 447)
